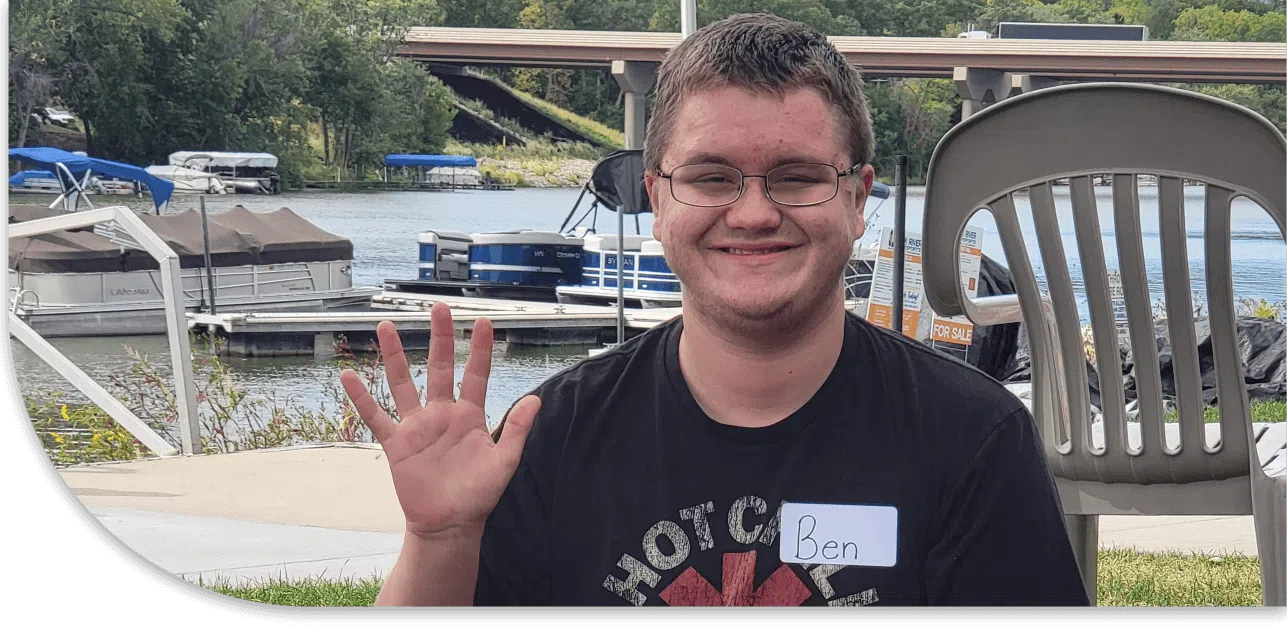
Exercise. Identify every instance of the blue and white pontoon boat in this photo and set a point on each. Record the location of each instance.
(547, 265)
(647, 281)
(444, 256)
(523, 263)
(34, 181)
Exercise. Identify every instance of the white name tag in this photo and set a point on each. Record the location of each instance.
(841, 534)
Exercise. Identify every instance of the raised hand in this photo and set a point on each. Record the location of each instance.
(447, 471)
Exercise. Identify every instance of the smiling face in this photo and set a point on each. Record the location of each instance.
(756, 264)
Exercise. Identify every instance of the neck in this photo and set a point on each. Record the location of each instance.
(755, 379)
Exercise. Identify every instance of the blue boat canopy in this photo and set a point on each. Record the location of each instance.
(77, 166)
(429, 160)
(17, 180)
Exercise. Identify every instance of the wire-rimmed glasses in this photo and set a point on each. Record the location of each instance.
(719, 185)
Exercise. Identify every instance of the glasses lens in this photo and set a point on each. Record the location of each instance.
(802, 184)
(706, 184)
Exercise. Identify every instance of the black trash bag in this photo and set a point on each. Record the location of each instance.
(1262, 342)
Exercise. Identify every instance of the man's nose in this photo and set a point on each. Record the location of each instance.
(754, 211)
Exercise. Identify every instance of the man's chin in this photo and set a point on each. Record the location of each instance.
(749, 307)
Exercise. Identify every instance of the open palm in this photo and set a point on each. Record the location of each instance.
(447, 470)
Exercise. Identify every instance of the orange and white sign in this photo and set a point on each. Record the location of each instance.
(959, 330)
(880, 305)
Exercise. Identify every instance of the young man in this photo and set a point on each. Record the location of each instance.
(669, 471)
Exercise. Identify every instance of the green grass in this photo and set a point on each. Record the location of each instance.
(1261, 412)
(309, 593)
(1126, 578)
(1134, 578)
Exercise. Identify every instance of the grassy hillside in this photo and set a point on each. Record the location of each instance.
(602, 134)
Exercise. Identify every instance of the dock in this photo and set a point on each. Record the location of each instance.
(404, 186)
(517, 322)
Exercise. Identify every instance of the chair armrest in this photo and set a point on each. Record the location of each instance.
(991, 311)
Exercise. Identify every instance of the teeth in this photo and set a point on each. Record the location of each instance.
(757, 252)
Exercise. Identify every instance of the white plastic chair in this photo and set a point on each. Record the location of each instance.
(1024, 144)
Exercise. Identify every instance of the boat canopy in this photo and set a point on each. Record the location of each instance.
(72, 171)
(238, 237)
(18, 179)
(223, 159)
(429, 160)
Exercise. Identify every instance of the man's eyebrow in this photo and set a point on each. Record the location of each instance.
(706, 157)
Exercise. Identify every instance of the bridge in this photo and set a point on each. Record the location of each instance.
(984, 70)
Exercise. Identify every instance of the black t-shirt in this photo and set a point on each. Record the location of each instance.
(629, 494)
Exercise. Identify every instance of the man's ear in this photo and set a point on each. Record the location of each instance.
(653, 184)
(866, 178)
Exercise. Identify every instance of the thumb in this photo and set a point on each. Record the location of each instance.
(516, 426)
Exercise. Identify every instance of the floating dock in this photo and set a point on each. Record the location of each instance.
(404, 186)
(515, 321)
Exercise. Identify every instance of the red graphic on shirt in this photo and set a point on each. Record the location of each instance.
(782, 588)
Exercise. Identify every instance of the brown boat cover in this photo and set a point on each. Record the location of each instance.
(237, 237)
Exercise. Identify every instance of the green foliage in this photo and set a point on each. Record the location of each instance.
(148, 77)
(230, 417)
(1213, 24)
(314, 82)
(909, 117)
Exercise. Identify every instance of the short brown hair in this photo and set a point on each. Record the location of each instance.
(759, 52)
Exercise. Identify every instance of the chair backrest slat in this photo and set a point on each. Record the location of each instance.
(1139, 311)
(1094, 268)
(1046, 400)
(1068, 328)
(1179, 310)
(1231, 394)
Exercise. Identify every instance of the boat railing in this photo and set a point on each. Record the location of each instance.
(176, 330)
(255, 282)
(20, 292)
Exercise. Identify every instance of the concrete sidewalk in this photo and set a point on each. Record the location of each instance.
(331, 511)
(237, 552)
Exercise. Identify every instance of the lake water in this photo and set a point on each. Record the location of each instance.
(384, 226)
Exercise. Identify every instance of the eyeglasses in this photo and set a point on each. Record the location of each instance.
(718, 185)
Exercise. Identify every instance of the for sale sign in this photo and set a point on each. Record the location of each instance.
(880, 305)
(959, 330)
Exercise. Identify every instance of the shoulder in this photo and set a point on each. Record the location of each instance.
(945, 395)
(589, 382)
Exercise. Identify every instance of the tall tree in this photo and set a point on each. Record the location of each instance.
(33, 60)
